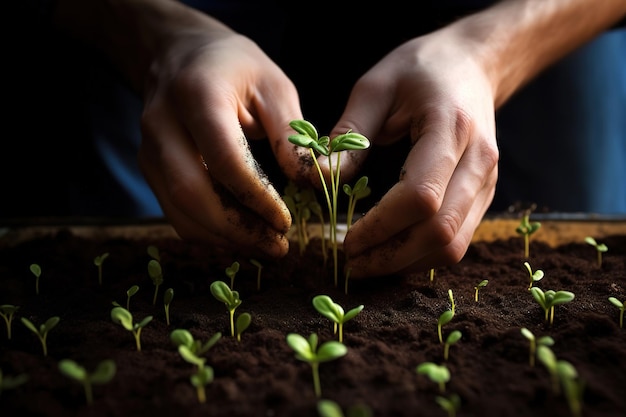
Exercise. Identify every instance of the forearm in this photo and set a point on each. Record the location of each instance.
(517, 39)
(131, 33)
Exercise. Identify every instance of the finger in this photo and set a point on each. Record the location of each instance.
(217, 133)
(446, 229)
(189, 198)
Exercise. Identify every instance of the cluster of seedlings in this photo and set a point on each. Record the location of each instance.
(303, 205)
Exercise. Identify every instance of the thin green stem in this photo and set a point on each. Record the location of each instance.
(88, 392)
(137, 334)
(316, 379)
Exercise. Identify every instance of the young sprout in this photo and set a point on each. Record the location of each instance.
(7, 311)
(202, 378)
(168, 296)
(452, 338)
(360, 190)
(36, 270)
(11, 382)
(182, 337)
(104, 372)
(231, 272)
(297, 202)
(243, 321)
(550, 299)
(122, 316)
(259, 268)
(334, 312)
(478, 286)
(619, 304)
(308, 351)
(42, 331)
(573, 386)
(222, 292)
(439, 374)
(98, 261)
(534, 276)
(431, 274)
(451, 404)
(329, 408)
(154, 253)
(156, 275)
(534, 342)
(307, 137)
(600, 248)
(445, 318)
(129, 293)
(451, 298)
(526, 228)
(547, 357)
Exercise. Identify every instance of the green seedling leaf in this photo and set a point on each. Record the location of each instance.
(573, 386)
(600, 248)
(452, 338)
(534, 276)
(104, 372)
(444, 319)
(619, 304)
(156, 275)
(42, 331)
(308, 351)
(222, 292)
(36, 271)
(190, 356)
(153, 252)
(334, 312)
(202, 378)
(231, 272)
(7, 311)
(436, 373)
(11, 382)
(451, 404)
(98, 261)
(243, 321)
(122, 316)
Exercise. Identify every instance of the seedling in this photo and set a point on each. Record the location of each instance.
(445, 318)
(450, 404)
(600, 248)
(573, 386)
(307, 137)
(202, 378)
(329, 408)
(360, 190)
(243, 321)
(7, 311)
(104, 372)
(36, 270)
(129, 293)
(222, 292)
(547, 357)
(440, 374)
(526, 228)
(297, 202)
(154, 253)
(42, 331)
(308, 351)
(619, 304)
(334, 312)
(534, 342)
(156, 275)
(550, 299)
(451, 298)
(182, 337)
(259, 268)
(122, 316)
(534, 276)
(168, 296)
(11, 382)
(452, 338)
(481, 284)
(231, 272)
(98, 261)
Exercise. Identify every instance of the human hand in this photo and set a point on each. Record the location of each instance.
(208, 91)
(436, 89)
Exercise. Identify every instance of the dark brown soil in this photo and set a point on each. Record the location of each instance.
(260, 376)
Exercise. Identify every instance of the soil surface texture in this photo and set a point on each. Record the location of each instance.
(259, 375)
